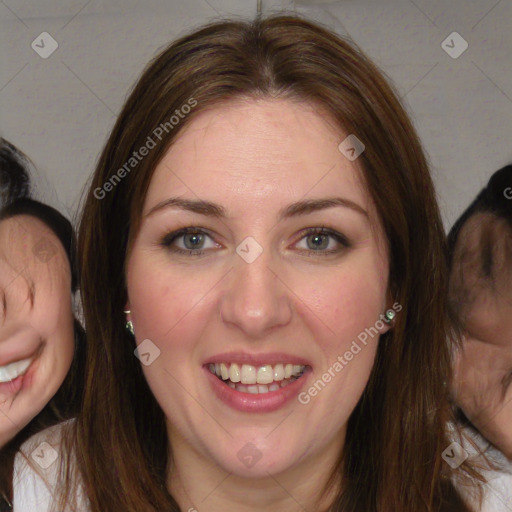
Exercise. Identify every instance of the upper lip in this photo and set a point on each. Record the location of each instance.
(18, 343)
(271, 358)
(17, 359)
(5, 361)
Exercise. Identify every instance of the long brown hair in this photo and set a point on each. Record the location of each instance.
(396, 434)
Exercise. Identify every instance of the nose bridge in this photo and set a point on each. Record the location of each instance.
(256, 300)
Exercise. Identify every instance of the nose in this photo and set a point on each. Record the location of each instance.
(255, 298)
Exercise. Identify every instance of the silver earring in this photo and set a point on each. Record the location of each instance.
(129, 324)
(388, 316)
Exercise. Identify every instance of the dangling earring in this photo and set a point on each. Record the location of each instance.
(129, 324)
(388, 316)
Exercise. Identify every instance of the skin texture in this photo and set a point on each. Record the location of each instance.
(32, 257)
(254, 157)
(483, 369)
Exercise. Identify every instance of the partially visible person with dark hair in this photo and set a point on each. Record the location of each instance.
(14, 179)
(480, 300)
(40, 340)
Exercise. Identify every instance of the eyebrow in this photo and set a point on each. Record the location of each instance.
(296, 209)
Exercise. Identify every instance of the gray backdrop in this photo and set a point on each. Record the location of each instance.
(60, 109)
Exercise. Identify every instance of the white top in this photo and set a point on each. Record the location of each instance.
(498, 490)
(35, 484)
(37, 473)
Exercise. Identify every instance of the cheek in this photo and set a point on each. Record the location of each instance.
(169, 307)
(58, 332)
(52, 314)
(159, 300)
(347, 301)
(53, 321)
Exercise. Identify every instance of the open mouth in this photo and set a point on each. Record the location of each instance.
(12, 371)
(257, 379)
(15, 375)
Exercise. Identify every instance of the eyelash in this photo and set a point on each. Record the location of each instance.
(168, 239)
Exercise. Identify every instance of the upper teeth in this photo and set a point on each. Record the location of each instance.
(11, 371)
(248, 374)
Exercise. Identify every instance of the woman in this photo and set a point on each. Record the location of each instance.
(480, 250)
(38, 333)
(264, 290)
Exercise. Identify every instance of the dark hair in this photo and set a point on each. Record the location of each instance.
(397, 432)
(14, 179)
(495, 199)
(66, 402)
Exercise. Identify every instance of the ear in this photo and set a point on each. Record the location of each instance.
(127, 308)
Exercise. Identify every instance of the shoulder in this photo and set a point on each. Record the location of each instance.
(39, 469)
(497, 492)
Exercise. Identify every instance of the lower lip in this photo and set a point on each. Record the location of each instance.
(263, 402)
(12, 387)
(19, 383)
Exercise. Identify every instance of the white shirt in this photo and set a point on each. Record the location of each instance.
(498, 490)
(36, 480)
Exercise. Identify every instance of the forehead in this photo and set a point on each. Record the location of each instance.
(246, 152)
(28, 243)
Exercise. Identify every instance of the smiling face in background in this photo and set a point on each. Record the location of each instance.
(36, 321)
(256, 289)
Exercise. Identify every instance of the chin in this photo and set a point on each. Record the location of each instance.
(256, 457)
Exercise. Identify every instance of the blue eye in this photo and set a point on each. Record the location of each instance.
(194, 238)
(319, 235)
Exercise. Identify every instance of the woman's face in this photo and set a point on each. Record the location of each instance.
(250, 294)
(36, 322)
(483, 369)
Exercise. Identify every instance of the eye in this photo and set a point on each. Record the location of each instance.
(319, 238)
(192, 237)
